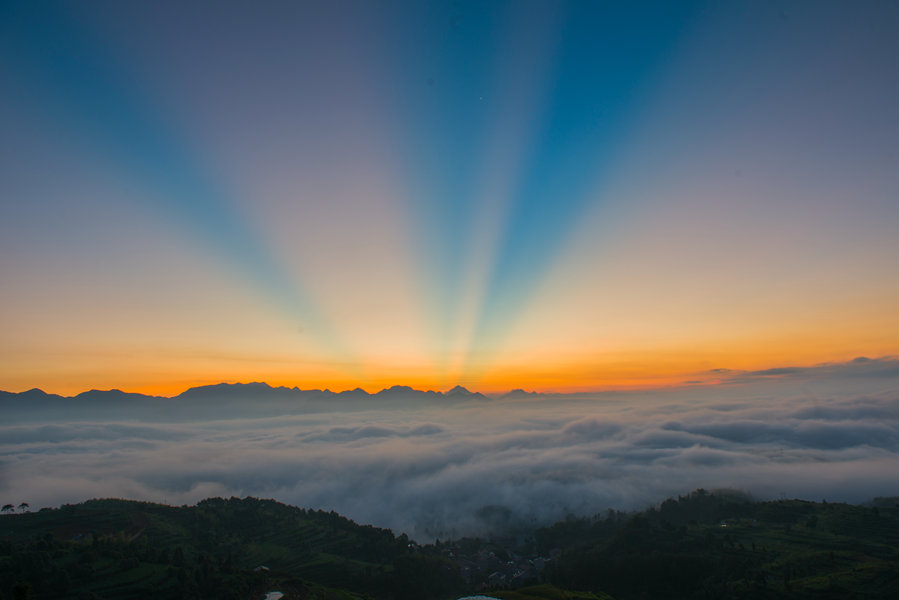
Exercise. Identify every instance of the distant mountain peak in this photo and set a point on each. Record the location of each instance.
(36, 394)
(357, 391)
(519, 392)
(459, 390)
(255, 385)
(395, 389)
(462, 392)
(113, 394)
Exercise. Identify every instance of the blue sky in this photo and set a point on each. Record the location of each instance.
(360, 193)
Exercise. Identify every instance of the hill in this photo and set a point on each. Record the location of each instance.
(703, 545)
(723, 545)
(220, 548)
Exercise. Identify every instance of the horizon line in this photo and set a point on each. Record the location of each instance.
(711, 377)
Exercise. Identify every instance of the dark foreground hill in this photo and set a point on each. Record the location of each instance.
(221, 549)
(722, 545)
(704, 545)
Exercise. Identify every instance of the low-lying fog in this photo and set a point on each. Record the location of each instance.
(440, 467)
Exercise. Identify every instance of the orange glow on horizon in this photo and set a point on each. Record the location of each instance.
(625, 371)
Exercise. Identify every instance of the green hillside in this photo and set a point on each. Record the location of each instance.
(703, 546)
(725, 546)
(118, 549)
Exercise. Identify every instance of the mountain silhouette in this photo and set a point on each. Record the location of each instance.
(461, 392)
(232, 394)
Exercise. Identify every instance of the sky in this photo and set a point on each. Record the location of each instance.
(556, 196)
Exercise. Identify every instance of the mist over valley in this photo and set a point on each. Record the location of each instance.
(436, 465)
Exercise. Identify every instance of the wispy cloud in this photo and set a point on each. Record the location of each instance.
(861, 366)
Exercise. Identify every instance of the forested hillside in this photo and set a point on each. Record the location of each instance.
(703, 545)
(118, 549)
(723, 545)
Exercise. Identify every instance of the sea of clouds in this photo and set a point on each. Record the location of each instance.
(442, 468)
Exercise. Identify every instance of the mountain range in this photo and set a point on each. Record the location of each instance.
(244, 390)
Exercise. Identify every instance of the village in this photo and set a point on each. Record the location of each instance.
(497, 564)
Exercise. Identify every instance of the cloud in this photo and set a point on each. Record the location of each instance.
(859, 409)
(431, 469)
(592, 428)
(777, 371)
(860, 367)
(348, 434)
(56, 434)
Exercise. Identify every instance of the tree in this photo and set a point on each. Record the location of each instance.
(8, 508)
(22, 591)
(178, 557)
(23, 507)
